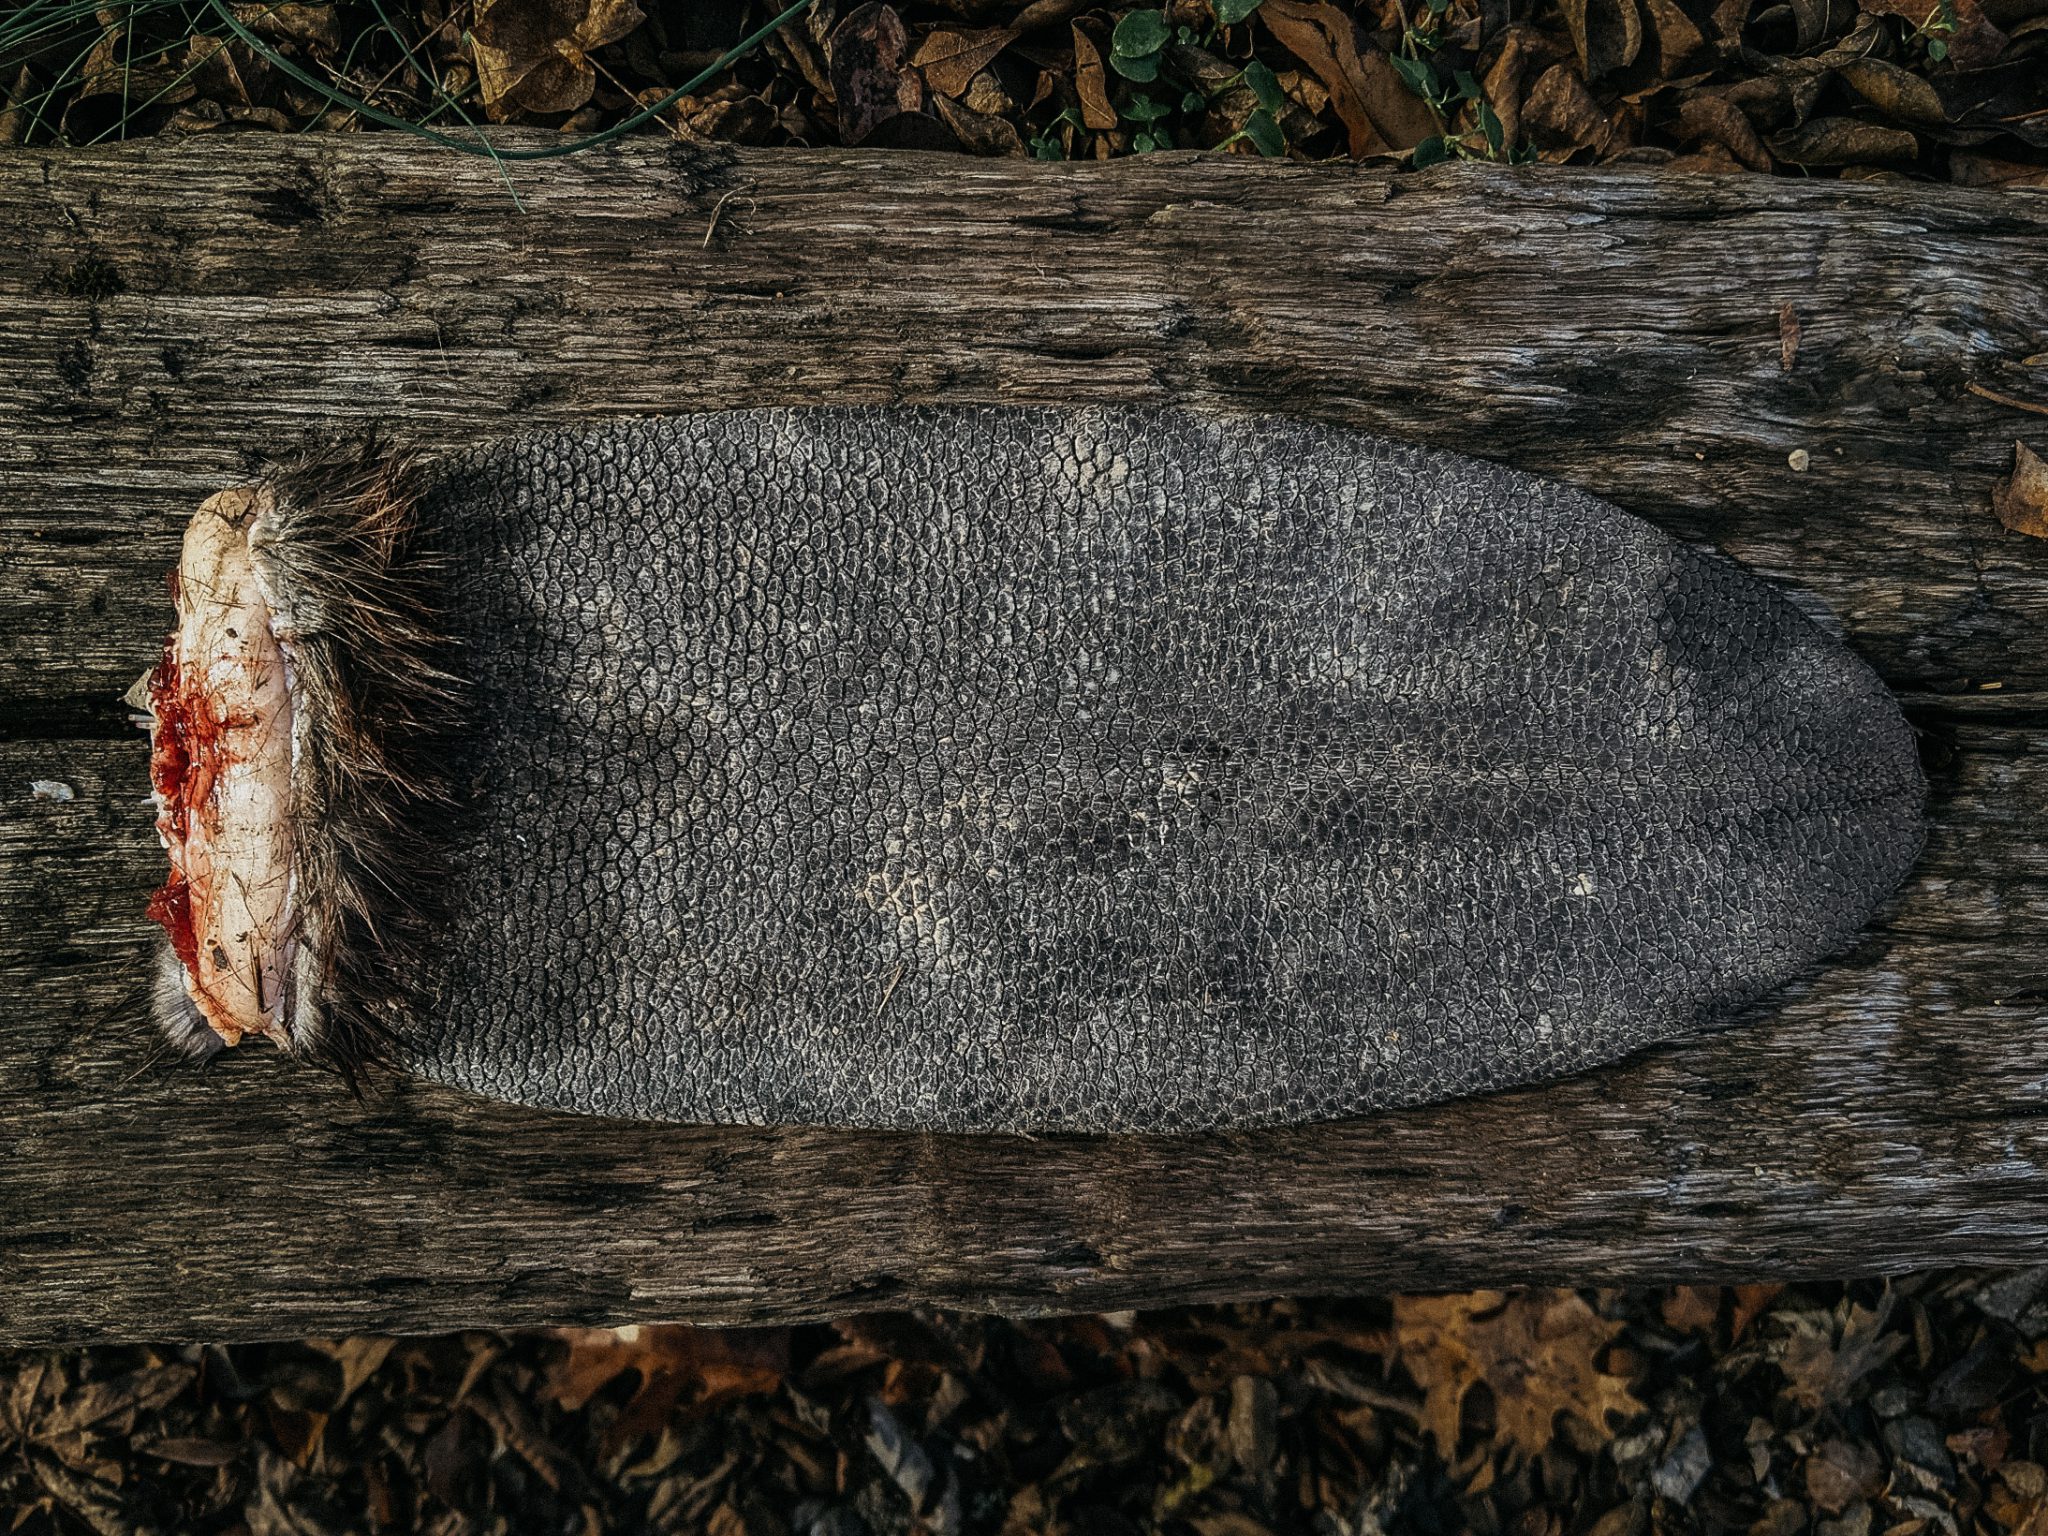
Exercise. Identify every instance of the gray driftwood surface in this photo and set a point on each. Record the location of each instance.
(171, 312)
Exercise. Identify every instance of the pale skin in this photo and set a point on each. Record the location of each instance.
(236, 852)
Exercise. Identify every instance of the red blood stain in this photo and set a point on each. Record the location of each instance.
(184, 760)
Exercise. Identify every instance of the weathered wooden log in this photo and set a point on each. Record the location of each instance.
(170, 313)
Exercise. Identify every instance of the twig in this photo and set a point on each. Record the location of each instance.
(1997, 399)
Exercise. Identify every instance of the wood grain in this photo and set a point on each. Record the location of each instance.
(170, 313)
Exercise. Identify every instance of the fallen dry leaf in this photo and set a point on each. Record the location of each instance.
(108, 84)
(979, 133)
(296, 1434)
(1535, 1351)
(228, 75)
(1985, 1444)
(985, 94)
(533, 55)
(16, 113)
(1973, 170)
(1824, 1359)
(1380, 114)
(1751, 1301)
(806, 50)
(1897, 93)
(1839, 1473)
(675, 1365)
(1844, 141)
(1608, 34)
(1504, 77)
(507, 1415)
(1728, 18)
(314, 25)
(871, 79)
(2021, 498)
(1779, 98)
(1256, 1420)
(1676, 35)
(1710, 159)
(1091, 84)
(1798, 27)
(951, 59)
(1402, 118)
(1561, 117)
(1709, 118)
(359, 1356)
(1692, 1308)
(730, 111)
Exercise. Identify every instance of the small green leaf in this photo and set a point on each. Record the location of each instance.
(1430, 152)
(1416, 74)
(1489, 124)
(1438, 7)
(1146, 109)
(1145, 143)
(1046, 147)
(1143, 69)
(1193, 101)
(1937, 50)
(1468, 88)
(1139, 34)
(1263, 129)
(1230, 12)
(1265, 86)
(1183, 35)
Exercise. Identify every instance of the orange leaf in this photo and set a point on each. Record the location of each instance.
(1750, 1301)
(674, 1363)
(1535, 1351)
(951, 59)
(1092, 84)
(1379, 113)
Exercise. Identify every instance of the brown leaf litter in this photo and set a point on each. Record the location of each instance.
(1912, 1408)
(1954, 89)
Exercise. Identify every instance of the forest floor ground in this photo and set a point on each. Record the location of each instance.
(1863, 1409)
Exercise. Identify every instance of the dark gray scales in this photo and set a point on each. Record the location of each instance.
(1116, 771)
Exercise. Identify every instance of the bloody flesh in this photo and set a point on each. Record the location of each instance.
(220, 763)
(183, 752)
